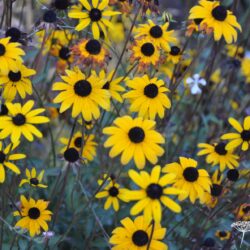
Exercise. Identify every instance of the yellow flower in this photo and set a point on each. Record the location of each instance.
(89, 145)
(223, 235)
(33, 179)
(218, 18)
(113, 193)
(242, 137)
(243, 212)
(235, 51)
(90, 52)
(218, 155)
(148, 97)
(136, 235)
(6, 159)
(174, 55)
(112, 84)
(83, 94)
(20, 120)
(146, 53)
(158, 34)
(97, 15)
(245, 69)
(16, 80)
(194, 181)
(134, 138)
(9, 54)
(34, 215)
(153, 192)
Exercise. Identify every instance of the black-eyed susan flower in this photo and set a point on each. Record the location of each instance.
(113, 193)
(146, 53)
(90, 52)
(16, 80)
(217, 17)
(6, 158)
(88, 145)
(194, 181)
(174, 55)
(211, 198)
(154, 190)
(243, 212)
(33, 178)
(9, 54)
(137, 234)
(112, 84)
(235, 51)
(218, 155)
(241, 137)
(134, 138)
(245, 68)
(148, 97)
(20, 121)
(84, 95)
(223, 235)
(158, 34)
(34, 215)
(97, 15)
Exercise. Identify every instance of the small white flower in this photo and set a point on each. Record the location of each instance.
(48, 235)
(194, 84)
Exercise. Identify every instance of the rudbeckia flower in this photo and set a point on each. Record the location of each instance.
(242, 137)
(174, 55)
(154, 191)
(146, 53)
(97, 15)
(218, 155)
(20, 120)
(88, 145)
(6, 159)
(148, 97)
(113, 84)
(194, 181)
(113, 193)
(134, 138)
(223, 235)
(33, 179)
(158, 34)
(9, 54)
(34, 215)
(84, 95)
(137, 234)
(90, 52)
(218, 18)
(16, 80)
(243, 212)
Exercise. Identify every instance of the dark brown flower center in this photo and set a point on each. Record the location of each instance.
(61, 4)
(64, 53)
(220, 148)
(113, 191)
(49, 16)
(151, 90)
(95, 15)
(147, 49)
(219, 13)
(156, 31)
(233, 174)
(245, 135)
(34, 181)
(93, 47)
(2, 157)
(2, 49)
(78, 142)
(34, 213)
(136, 134)
(154, 191)
(71, 155)
(14, 34)
(19, 119)
(15, 76)
(82, 88)
(246, 209)
(216, 190)
(222, 234)
(175, 51)
(140, 238)
(190, 174)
